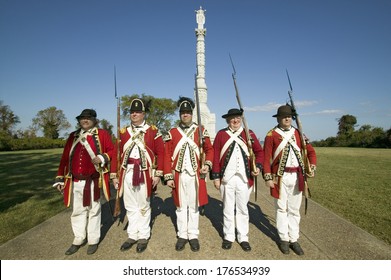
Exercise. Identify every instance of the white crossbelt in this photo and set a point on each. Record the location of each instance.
(138, 142)
(92, 154)
(186, 138)
(286, 138)
(83, 140)
(234, 137)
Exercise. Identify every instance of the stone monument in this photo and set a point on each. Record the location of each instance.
(208, 119)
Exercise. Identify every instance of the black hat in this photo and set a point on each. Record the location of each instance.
(87, 113)
(285, 110)
(233, 112)
(185, 104)
(137, 105)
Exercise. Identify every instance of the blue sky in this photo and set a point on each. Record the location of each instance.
(62, 53)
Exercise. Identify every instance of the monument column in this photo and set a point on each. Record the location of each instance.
(208, 119)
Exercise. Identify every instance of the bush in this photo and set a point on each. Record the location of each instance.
(9, 144)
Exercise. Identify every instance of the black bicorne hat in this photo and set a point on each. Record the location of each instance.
(185, 104)
(87, 113)
(137, 105)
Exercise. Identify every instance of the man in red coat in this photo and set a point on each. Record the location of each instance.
(141, 166)
(183, 170)
(233, 176)
(284, 174)
(83, 171)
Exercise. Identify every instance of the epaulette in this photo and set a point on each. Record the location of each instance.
(167, 137)
(270, 133)
(153, 127)
(94, 130)
(122, 130)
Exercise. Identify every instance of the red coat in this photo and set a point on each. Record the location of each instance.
(76, 160)
(154, 144)
(220, 161)
(277, 166)
(172, 162)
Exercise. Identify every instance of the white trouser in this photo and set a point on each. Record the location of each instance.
(187, 214)
(235, 194)
(85, 220)
(138, 209)
(288, 208)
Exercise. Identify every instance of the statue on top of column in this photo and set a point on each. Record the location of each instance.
(200, 18)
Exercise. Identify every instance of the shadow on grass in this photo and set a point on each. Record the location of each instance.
(27, 174)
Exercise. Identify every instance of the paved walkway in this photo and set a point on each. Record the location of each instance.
(324, 236)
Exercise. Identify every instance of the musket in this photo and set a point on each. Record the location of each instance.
(253, 164)
(307, 166)
(117, 208)
(200, 134)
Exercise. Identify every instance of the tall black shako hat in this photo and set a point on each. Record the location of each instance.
(233, 112)
(185, 104)
(139, 105)
(285, 110)
(87, 113)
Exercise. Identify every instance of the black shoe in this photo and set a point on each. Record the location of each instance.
(245, 246)
(194, 245)
(180, 244)
(295, 246)
(226, 245)
(284, 247)
(92, 249)
(128, 244)
(73, 249)
(142, 245)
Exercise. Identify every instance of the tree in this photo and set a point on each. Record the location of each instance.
(8, 119)
(27, 133)
(105, 124)
(51, 121)
(160, 114)
(346, 125)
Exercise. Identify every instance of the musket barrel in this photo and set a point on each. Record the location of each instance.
(307, 168)
(200, 134)
(253, 165)
(117, 208)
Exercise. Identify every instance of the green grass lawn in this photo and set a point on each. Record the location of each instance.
(353, 183)
(27, 195)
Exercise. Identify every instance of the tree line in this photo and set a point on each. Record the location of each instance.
(52, 121)
(366, 136)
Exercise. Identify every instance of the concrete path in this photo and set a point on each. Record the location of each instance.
(324, 236)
